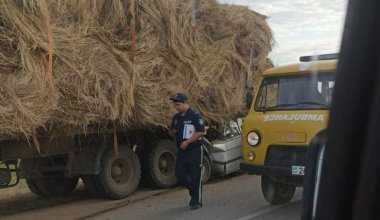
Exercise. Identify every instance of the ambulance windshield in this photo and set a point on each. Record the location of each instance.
(311, 91)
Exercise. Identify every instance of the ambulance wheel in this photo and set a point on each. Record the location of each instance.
(206, 170)
(119, 174)
(160, 167)
(276, 193)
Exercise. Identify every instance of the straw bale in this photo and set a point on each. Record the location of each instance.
(200, 47)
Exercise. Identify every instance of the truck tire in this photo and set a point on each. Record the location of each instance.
(206, 170)
(160, 167)
(33, 188)
(276, 193)
(52, 184)
(119, 175)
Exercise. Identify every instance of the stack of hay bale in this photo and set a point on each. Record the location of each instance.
(73, 64)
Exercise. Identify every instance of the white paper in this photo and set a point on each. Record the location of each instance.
(188, 131)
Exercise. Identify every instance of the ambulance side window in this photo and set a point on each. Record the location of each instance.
(272, 95)
(268, 94)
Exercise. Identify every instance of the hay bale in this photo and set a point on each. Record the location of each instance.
(100, 72)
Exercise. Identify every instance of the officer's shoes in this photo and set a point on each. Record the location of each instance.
(196, 206)
(192, 202)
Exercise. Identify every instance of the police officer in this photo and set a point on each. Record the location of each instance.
(187, 128)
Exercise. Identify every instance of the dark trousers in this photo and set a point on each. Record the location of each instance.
(188, 172)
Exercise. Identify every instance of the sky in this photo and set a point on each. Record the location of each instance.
(300, 27)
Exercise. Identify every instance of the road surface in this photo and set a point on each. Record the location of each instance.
(236, 197)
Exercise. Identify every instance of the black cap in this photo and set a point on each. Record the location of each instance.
(179, 97)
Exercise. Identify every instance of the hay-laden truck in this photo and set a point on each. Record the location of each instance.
(109, 164)
(289, 114)
(101, 65)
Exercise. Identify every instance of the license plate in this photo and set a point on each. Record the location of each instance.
(298, 170)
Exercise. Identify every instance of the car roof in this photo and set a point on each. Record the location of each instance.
(303, 67)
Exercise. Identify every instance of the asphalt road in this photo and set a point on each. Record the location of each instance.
(236, 197)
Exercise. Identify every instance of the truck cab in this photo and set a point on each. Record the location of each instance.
(289, 112)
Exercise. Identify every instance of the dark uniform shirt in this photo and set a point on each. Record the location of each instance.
(186, 126)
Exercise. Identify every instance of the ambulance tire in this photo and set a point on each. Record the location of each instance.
(276, 193)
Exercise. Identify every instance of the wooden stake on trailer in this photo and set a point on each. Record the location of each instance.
(132, 10)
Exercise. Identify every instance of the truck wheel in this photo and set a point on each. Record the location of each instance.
(276, 193)
(119, 175)
(160, 166)
(206, 170)
(33, 188)
(52, 185)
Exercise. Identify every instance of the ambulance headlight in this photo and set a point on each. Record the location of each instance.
(253, 138)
